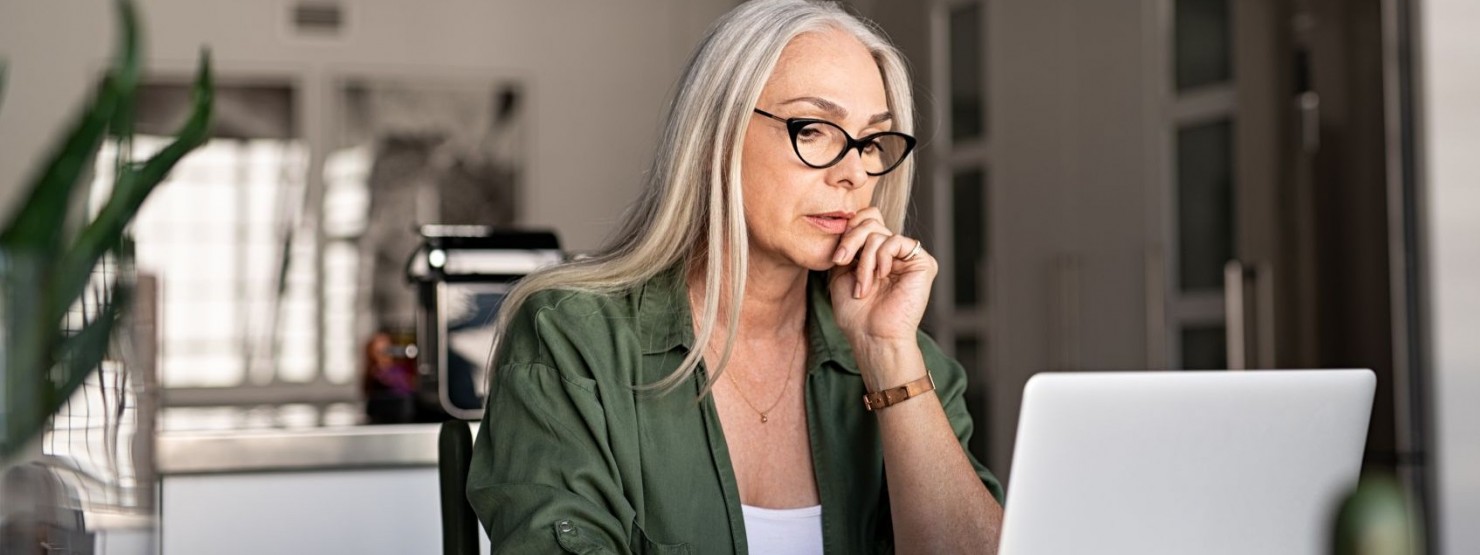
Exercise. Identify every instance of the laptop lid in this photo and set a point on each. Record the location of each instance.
(1184, 462)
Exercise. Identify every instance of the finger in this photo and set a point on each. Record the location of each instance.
(841, 282)
(870, 213)
(863, 222)
(923, 261)
(854, 238)
(893, 253)
(866, 221)
(868, 259)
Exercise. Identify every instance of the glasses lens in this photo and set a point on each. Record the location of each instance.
(819, 143)
(883, 152)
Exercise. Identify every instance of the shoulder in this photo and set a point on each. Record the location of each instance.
(569, 306)
(557, 327)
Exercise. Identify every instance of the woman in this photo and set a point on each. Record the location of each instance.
(701, 385)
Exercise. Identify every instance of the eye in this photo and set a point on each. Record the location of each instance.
(809, 134)
(871, 148)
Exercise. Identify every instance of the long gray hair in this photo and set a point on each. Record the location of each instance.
(692, 200)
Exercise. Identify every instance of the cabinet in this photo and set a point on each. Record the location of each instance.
(362, 489)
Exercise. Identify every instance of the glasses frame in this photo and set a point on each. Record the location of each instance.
(795, 125)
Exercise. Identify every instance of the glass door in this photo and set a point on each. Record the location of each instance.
(1224, 140)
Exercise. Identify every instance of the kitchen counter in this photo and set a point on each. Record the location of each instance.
(294, 479)
(267, 440)
(297, 449)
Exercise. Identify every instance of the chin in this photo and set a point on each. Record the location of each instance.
(821, 264)
(820, 261)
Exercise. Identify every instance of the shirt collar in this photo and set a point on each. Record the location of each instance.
(664, 322)
(663, 318)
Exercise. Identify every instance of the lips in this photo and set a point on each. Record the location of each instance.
(831, 222)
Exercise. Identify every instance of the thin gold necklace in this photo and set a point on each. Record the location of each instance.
(791, 360)
(765, 414)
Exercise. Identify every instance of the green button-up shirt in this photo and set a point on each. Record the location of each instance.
(572, 456)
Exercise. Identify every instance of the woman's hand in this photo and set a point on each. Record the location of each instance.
(877, 294)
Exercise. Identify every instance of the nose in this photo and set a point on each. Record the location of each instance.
(848, 172)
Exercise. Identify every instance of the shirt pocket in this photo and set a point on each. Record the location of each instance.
(570, 536)
(646, 546)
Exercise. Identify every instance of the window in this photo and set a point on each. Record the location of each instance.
(225, 237)
(1201, 129)
(272, 279)
(958, 166)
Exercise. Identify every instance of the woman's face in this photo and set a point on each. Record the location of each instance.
(797, 213)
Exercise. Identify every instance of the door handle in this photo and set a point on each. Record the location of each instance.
(1308, 104)
(1233, 315)
(1238, 279)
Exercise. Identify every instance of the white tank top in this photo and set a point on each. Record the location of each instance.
(783, 531)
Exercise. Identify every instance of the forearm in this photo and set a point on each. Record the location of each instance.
(938, 502)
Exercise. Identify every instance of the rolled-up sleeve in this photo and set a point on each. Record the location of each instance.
(950, 382)
(543, 478)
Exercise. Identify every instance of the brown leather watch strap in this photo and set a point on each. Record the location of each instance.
(893, 396)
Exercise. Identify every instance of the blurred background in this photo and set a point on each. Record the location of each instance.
(1109, 185)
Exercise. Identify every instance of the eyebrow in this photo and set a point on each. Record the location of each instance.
(833, 109)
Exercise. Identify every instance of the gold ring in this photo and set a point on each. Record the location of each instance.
(913, 251)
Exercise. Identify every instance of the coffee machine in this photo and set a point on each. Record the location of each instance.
(462, 274)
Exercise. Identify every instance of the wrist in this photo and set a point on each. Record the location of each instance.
(879, 400)
(888, 363)
(866, 344)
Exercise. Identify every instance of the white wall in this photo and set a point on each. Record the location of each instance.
(598, 73)
(1451, 138)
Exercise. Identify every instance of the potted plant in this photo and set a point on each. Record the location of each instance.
(49, 341)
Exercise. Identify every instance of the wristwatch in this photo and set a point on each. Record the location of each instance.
(893, 396)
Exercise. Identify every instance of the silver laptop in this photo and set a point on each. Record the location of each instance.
(1184, 462)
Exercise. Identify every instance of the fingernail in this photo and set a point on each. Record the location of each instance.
(858, 290)
(838, 256)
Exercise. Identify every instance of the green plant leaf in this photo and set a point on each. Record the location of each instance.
(38, 223)
(61, 362)
(27, 347)
(127, 70)
(133, 187)
(80, 354)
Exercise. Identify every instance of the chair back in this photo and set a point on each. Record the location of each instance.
(454, 456)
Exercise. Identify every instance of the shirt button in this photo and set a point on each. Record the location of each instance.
(565, 527)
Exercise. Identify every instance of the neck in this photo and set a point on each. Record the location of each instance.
(775, 304)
